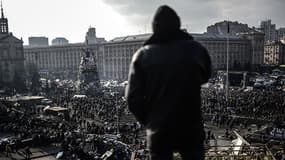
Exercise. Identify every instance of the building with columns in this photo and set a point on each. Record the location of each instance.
(118, 52)
(117, 55)
(257, 46)
(12, 73)
(113, 57)
(59, 61)
(63, 60)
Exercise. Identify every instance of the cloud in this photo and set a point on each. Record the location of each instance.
(196, 15)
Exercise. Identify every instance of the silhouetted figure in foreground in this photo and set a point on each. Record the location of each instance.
(164, 89)
(28, 152)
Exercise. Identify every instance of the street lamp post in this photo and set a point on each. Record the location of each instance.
(118, 125)
(227, 77)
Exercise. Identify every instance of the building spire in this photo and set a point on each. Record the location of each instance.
(3, 22)
(2, 13)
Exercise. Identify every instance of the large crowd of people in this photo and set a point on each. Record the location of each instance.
(266, 105)
(102, 115)
(114, 130)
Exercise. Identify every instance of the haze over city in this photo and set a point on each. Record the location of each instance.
(112, 18)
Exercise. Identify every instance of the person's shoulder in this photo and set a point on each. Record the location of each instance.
(194, 43)
(138, 54)
(149, 47)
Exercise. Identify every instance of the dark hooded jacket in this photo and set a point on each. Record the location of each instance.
(164, 82)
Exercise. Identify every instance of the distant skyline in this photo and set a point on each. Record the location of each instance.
(112, 18)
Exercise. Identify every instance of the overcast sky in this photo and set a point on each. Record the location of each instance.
(113, 18)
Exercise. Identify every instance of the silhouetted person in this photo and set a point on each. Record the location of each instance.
(27, 152)
(163, 91)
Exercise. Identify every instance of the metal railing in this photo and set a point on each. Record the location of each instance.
(244, 152)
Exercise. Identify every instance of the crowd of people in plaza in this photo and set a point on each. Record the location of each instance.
(266, 105)
(105, 114)
(101, 114)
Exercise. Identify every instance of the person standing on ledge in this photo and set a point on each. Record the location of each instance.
(163, 90)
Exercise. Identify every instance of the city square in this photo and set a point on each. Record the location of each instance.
(66, 100)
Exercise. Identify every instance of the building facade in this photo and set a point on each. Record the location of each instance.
(239, 49)
(60, 61)
(117, 55)
(12, 73)
(113, 58)
(118, 52)
(274, 53)
(91, 38)
(257, 46)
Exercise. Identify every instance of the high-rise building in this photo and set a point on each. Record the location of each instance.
(12, 73)
(90, 37)
(4, 29)
(38, 41)
(281, 33)
(269, 30)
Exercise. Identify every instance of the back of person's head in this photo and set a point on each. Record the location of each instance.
(165, 20)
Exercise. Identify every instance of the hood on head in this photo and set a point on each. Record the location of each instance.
(165, 20)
